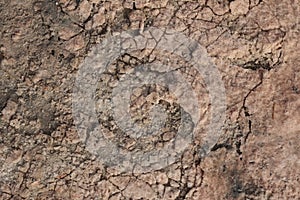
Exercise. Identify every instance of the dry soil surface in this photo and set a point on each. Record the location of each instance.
(253, 43)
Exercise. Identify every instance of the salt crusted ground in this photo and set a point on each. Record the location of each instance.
(254, 44)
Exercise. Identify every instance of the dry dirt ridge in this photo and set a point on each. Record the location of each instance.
(254, 44)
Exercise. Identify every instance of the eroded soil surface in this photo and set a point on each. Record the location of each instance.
(254, 44)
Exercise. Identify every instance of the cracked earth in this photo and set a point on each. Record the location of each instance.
(255, 46)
